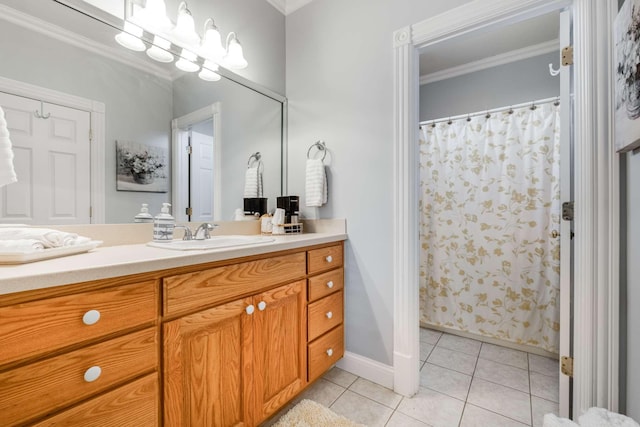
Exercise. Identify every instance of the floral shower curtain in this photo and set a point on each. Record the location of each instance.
(489, 202)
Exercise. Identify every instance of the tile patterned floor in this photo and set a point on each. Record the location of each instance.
(463, 383)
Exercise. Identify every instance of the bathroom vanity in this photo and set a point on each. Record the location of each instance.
(141, 336)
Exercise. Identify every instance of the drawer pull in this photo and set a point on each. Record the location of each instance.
(329, 315)
(330, 284)
(329, 258)
(250, 309)
(330, 352)
(91, 317)
(92, 374)
(262, 305)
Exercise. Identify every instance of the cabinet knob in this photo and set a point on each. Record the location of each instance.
(92, 374)
(91, 317)
(330, 352)
(329, 258)
(329, 315)
(262, 305)
(250, 309)
(330, 284)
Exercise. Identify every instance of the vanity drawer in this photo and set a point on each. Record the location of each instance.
(325, 284)
(324, 259)
(51, 384)
(132, 405)
(325, 351)
(191, 291)
(38, 327)
(324, 315)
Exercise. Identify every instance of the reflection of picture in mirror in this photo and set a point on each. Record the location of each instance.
(141, 167)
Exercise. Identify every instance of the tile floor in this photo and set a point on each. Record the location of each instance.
(463, 383)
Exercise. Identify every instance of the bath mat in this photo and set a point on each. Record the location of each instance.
(308, 413)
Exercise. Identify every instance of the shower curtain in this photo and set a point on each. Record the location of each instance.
(489, 202)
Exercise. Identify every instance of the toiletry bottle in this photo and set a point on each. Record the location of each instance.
(163, 225)
(144, 215)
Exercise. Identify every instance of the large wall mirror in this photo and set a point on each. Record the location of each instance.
(87, 83)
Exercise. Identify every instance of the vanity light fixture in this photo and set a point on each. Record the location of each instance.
(154, 16)
(130, 37)
(211, 47)
(234, 58)
(187, 61)
(208, 71)
(160, 50)
(184, 34)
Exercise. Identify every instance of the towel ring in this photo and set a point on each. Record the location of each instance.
(321, 146)
(255, 157)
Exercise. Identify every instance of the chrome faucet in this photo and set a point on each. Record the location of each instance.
(187, 232)
(202, 232)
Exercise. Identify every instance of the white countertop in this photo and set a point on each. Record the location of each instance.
(123, 260)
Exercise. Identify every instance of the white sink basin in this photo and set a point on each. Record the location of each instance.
(215, 242)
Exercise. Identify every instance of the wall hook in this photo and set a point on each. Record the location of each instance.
(40, 114)
(553, 71)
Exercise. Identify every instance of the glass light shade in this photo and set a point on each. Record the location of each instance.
(130, 37)
(211, 47)
(160, 50)
(184, 32)
(186, 62)
(154, 16)
(208, 71)
(234, 58)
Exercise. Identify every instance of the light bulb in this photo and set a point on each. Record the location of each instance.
(211, 47)
(184, 32)
(130, 37)
(154, 16)
(160, 50)
(186, 61)
(208, 71)
(234, 58)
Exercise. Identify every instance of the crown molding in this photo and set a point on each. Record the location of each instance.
(492, 61)
(288, 6)
(43, 27)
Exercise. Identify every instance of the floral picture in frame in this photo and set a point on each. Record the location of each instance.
(141, 167)
(627, 76)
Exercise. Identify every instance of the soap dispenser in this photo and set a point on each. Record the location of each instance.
(163, 225)
(143, 215)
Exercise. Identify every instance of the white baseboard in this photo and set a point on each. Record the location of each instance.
(368, 369)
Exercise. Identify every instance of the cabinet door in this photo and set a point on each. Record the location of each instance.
(279, 346)
(207, 367)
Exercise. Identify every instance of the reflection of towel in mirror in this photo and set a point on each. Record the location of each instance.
(252, 183)
(21, 246)
(316, 183)
(48, 237)
(7, 173)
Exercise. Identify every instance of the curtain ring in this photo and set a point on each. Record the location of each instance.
(533, 107)
(450, 121)
(433, 125)
(557, 102)
(510, 110)
(469, 118)
(488, 116)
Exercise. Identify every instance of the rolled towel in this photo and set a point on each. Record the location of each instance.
(599, 417)
(252, 183)
(20, 245)
(551, 420)
(7, 172)
(315, 183)
(48, 237)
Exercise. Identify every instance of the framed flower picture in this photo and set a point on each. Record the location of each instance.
(627, 76)
(141, 167)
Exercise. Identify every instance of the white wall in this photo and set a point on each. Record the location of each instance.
(340, 89)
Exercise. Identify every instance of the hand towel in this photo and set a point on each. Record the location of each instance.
(23, 246)
(7, 172)
(316, 183)
(600, 417)
(253, 183)
(48, 237)
(551, 420)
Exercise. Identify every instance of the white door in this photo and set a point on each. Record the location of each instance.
(202, 171)
(566, 184)
(52, 161)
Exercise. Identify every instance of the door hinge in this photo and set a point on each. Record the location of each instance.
(90, 135)
(189, 211)
(567, 55)
(566, 366)
(567, 211)
(189, 150)
(90, 211)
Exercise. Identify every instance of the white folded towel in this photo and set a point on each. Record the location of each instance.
(600, 417)
(7, 173)
(48, 237)
(20, 246)
(551, 420)
(252, 183)
(316, 183)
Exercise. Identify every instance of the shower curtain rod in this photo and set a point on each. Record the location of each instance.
(495, 110)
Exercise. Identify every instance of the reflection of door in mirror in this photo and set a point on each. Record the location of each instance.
(51, 157)
(196, 169)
